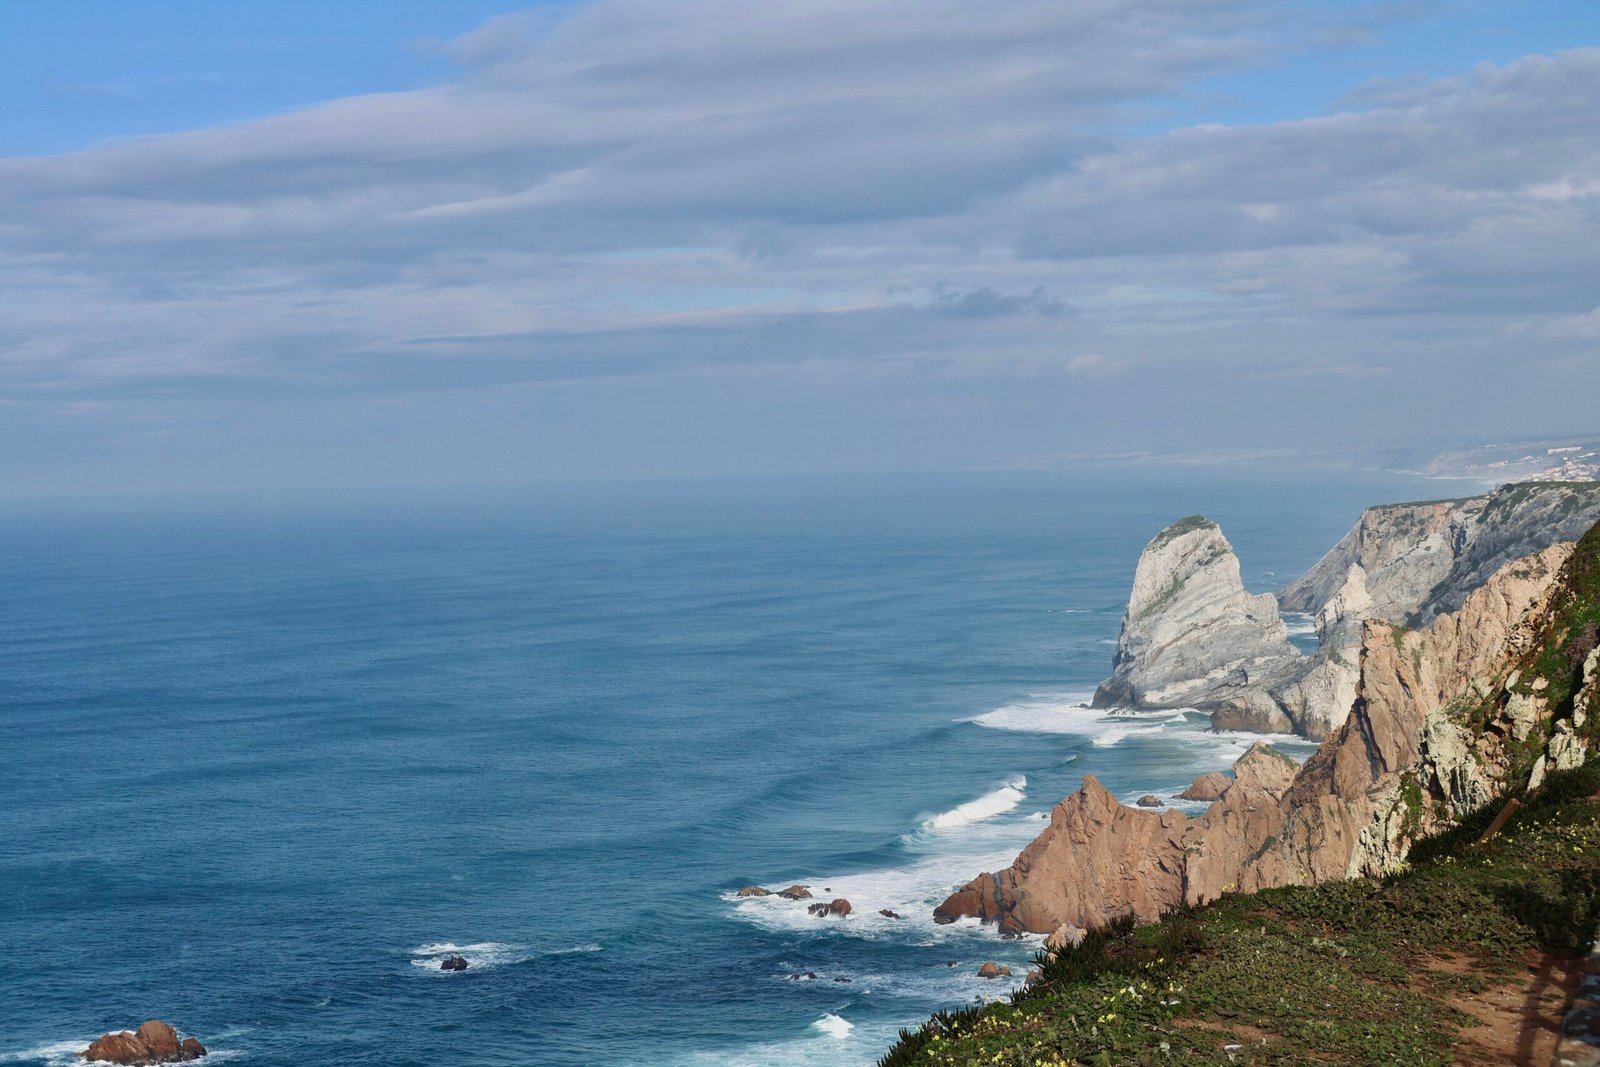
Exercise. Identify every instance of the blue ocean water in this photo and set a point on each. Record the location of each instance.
(266, 760)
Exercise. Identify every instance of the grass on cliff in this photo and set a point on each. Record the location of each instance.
(1358, 972)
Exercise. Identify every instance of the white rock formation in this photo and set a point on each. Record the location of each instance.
(1192, 636)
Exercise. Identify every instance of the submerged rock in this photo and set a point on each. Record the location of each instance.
(153, 1042)
(887, 914)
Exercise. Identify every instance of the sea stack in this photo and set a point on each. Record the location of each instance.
(1192, 636)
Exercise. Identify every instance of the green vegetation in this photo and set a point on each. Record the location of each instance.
(1357, 972)
(1187, 524)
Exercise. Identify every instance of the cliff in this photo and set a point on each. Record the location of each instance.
(1420, 559)
(1444, 720)
(1192, 636)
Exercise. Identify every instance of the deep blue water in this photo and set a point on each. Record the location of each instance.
(266, 759)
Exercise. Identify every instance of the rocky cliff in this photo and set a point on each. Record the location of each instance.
(1192, 636)
(1420, 559)
(1446, 719)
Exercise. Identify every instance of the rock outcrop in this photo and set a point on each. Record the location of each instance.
(840, 908)
(153, 1042)
(796, 892)
(1207, 787)
(1418, 560)
(1443, 722)
(1192, 636)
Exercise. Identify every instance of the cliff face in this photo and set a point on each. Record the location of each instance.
(1402, 563)
(1192, 636)
(1422, 559)
(1444, 721)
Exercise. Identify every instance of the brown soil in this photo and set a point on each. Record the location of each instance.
(1520, 1013)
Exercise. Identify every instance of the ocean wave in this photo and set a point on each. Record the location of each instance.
(1072, 715)
(834, 1026)
(987, 806)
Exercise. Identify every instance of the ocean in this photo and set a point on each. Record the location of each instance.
(268, 759)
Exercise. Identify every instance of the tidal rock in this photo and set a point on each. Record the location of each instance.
(839, 907)
(795, 892)
(1192, 636)
(753, 891)
(153, 1042)
(1207, 787)
(453, 963)
(991, 969)
(887, 914)
(1150, 800)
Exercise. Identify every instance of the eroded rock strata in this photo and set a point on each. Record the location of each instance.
(1444, 720)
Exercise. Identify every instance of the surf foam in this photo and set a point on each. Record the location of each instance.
(987, 806)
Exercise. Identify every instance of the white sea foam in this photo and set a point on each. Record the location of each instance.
(479, 956)
(987, 806)
(1071, 715)
(834, 1026)
(1299, 624)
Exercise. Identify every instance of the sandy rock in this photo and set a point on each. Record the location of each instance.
(991, 969)
(795, 892)
(1207, 787)
(1150, 800)
(1064, 936)
(754, 891)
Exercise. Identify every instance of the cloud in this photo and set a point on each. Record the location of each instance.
(638, 191)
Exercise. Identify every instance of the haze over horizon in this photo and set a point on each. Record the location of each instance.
(417, 243)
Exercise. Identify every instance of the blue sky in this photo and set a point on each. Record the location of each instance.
(361, 243)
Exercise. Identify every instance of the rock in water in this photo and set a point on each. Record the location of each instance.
(453, 963)
(1150, 800)
(153, 1042)
(753, 891)
(991, 969)
(795, 892)
(1192, 636)
(839, 907)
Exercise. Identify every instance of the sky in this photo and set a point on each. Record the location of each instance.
(426, 243)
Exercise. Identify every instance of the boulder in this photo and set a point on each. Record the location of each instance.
(839, 907)
(453, 963)
(153, 1042)
(1150, 800)
(795, 892)
(887, 914)
(1207, 787)
(753, 891)
(991, 969)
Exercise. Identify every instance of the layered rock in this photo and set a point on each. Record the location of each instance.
(1192, 636)
(1444, 720)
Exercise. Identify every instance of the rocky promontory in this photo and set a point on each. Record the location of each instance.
(1444, 720)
